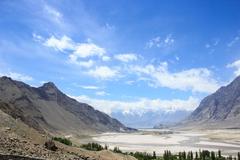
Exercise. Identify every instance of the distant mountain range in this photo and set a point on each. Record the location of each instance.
(218, 110)
(150, 119)
(47, 109)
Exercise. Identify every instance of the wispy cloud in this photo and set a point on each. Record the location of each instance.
(236, 66)
(106, 58)
(90, 87)
(109, 26)
(161, 42)
(103, 72)
(101, 93)
(84, 50)
(78, 52)
(53, 13)
(234, 41)
(194, 79)
(127, 57)
(141, 105)
(177, 58)
(37, 37)
(130, 82)
(212, 43)
(17, 76)
(62, 44)
(85, 64)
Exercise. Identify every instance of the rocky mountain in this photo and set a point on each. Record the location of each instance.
(219, 110)
(47, 109)
(18, 141)
(150, 119)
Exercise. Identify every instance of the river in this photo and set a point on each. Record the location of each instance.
(149, 140)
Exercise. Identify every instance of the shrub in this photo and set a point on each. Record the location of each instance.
(143, 156)
(117, 150)
(92, 147)
(63, 140)
(50, 145)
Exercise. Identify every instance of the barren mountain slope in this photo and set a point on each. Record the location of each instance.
(48, 109)
(218, 110)
(18, 138)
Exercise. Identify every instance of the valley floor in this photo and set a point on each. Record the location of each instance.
(149, 140)
(19, 139)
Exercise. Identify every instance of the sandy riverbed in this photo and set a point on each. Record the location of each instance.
(159, 140)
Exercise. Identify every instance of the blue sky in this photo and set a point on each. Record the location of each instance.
(123, 55)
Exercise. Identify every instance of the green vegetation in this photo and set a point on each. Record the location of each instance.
(106, 147)
(201, 155)
(63, 140)
(93, 147)
(117, 150)
(143, 155)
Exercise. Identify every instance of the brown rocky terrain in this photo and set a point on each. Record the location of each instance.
(47, 109)
(31, 116)
(19, 141)
(218, 110)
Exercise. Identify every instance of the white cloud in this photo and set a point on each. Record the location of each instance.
(17, 76)
(126, 57)
(85, 64)
(211, 46)
(84, 50)
(77, 51)
(130, 82)
(65, 43)
(234, 41)
(212, 43)
(103, 72)
(195, 79)
(177, 58)
(53, 13)
(236, 66)
(106, 58)
(101, 93)
(141, 105)
(37, 38)
(169, 40)
(109, 27)
(153, 42)
(161, 42)
(42, 82)
(90, 87)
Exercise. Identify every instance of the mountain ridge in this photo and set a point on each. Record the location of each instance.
(46, 108)
(150, 118)
(220, 109)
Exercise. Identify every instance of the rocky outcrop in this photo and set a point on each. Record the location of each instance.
(219, 110)
(15, 157)
(19, 141)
